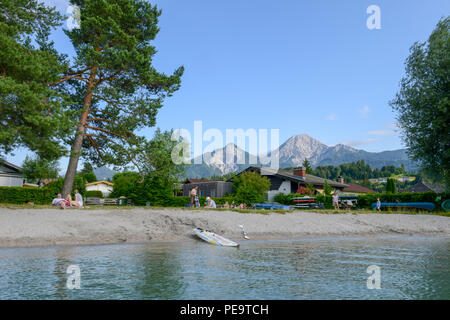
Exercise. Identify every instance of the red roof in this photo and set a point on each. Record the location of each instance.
(353, 187)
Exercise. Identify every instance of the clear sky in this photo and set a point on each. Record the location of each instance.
(299, 66)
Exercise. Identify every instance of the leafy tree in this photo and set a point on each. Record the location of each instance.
(88, 173)
(32, 111)
(156, 159)
(390, 186)
(125, 184)
(36, 169)
(327, 189)
(87, 168)
(423, 102)
(307, 166)
(112, 82)
(250, 187)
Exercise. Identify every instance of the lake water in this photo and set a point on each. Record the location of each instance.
(329, 268)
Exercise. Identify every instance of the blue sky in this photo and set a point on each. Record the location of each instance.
(299, 66)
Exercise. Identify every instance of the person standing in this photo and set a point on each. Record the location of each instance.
(336, 201)
(193, 195)
(378, 204)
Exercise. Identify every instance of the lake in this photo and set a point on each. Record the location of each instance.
(410, 267)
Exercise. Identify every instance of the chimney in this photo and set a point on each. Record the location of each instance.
(340, 180)
(300, 171)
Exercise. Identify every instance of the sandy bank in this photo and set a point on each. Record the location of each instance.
(38, 227)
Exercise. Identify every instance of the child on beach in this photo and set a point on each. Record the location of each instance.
(336, 201)
(378, 204)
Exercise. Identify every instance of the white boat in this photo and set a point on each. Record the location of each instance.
(213, 238)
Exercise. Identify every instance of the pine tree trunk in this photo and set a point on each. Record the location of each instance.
(75, 151)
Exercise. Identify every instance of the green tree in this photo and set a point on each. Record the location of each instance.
(156, 159)
(32, 111)
(87, 168)
(250, 187)
(327, 188)
(423, 102)
(307, 166)
(113, 84)
(390, 186)
(36, 169)
(88, 173)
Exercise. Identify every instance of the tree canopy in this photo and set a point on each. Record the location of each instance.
(423, 102)
(36, 169)
(31, 110)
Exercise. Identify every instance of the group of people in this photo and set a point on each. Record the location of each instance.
(61, 202)
(226, 205)
(349, 203)
(210, 203)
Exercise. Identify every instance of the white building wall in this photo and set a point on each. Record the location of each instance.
(11, 181)
(285, 188)
(105, 189)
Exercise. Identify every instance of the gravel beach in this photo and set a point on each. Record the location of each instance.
(43, 227)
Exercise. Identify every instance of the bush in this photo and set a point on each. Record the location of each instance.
(20, 195)
(250, 187)
(94, 193)
(365, 200)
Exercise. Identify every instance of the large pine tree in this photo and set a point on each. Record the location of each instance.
(114, 86)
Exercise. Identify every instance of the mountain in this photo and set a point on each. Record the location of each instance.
(104, 173)
(294, 151)
(228, 159)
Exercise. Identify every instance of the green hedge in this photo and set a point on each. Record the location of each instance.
(184, 201)
(19, 195)
(365, 200)
(94, 193)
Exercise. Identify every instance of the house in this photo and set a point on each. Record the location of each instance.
(425, 187)
(105, 187)
(207, 188)
(10, 175)
(282, 181)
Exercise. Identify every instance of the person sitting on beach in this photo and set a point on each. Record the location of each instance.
(211, 203)
(70, 202)
(226, 205)
(233, 205)
(349, 204)
(336, 201)
(78, 200)
(60, 202)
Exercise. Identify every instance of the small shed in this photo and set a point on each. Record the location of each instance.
(105, 187)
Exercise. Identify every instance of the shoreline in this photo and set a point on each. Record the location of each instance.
(53, 227)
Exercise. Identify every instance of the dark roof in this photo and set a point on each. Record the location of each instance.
(196, 180)
(288, 175)
(10, 165)
(353, 187)
(426, 186)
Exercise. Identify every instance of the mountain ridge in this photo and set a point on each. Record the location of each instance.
(292, 154)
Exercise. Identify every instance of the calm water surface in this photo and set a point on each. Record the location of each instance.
(328, 268)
